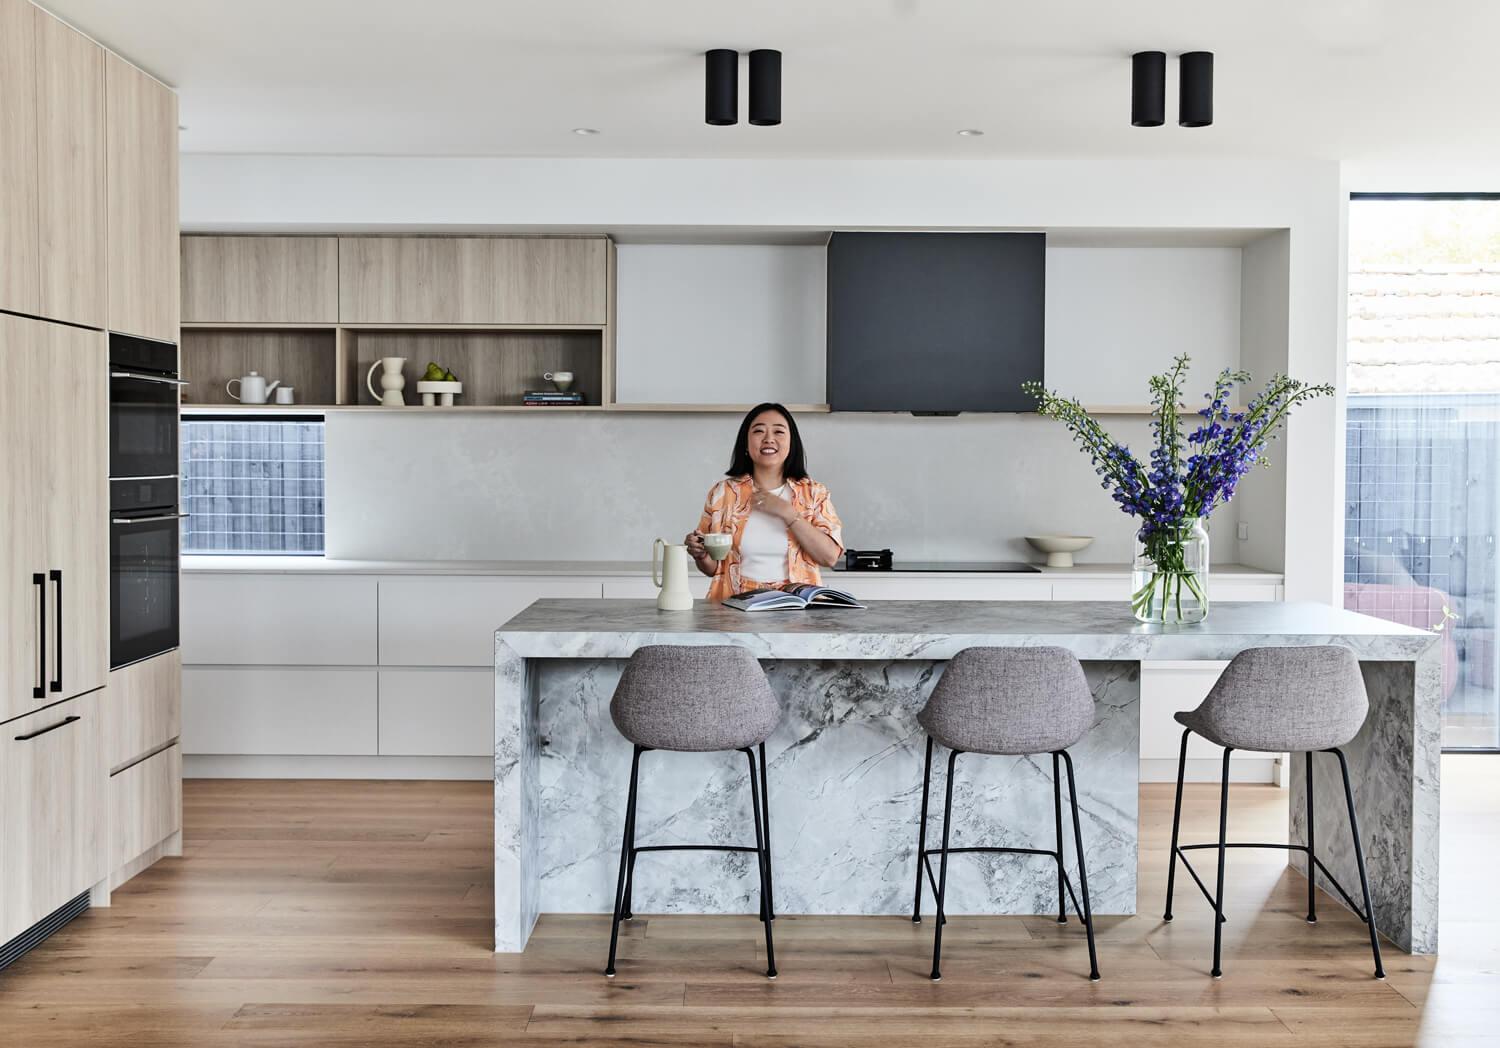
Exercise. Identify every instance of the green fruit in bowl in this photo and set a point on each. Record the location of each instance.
(450, 377)
(434, 373)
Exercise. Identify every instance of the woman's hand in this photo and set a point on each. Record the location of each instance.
(780, 508)
(699, 552)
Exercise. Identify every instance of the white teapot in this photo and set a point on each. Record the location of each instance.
(253, 388)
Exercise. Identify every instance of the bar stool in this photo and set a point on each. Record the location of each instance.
(1012, 701)
(1279, 700)
(695, 700)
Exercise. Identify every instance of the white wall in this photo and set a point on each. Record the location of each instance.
(717, 323)
(1173, 193)
(503, 487)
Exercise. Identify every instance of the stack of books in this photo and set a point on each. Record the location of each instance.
(550, 398)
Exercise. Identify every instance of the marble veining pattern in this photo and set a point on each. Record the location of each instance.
(846, 761)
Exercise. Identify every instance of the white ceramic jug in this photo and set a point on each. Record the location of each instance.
(669, 570)
(253, 388)
(392, 382)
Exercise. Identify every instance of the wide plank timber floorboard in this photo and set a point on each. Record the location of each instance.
(359, 913)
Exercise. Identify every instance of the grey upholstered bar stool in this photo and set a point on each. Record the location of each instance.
(1279, 700)
(1015, 701)
(696, 699)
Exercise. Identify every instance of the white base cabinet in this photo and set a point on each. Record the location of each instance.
(327, 673)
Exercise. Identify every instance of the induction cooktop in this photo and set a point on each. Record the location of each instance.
(883, 560)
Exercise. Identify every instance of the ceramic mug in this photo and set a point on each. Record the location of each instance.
(285, 395)
(563, 380)
(718, 544)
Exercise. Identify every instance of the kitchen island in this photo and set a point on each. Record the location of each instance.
(846, 762)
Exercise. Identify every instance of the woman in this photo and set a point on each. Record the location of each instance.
(783, 523)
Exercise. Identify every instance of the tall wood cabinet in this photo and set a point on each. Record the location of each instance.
(141, 158)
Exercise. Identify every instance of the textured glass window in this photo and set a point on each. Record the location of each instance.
(252, 486)
(1422, 443)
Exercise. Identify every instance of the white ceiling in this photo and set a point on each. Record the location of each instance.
(1373, 81)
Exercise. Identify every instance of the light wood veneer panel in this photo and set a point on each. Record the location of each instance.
(70, 164)
(19, 253)
(142, 708)
(473, 280)
(142, 180)
(145, 805)
(260, 280)
(52, 834)
(23, 483)
(304, 360)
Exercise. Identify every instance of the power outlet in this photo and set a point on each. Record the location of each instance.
(1243, 532)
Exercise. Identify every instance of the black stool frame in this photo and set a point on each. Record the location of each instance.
(761, 807)
(940, 883)
(1314, 864)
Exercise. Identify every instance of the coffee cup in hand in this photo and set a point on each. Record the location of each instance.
(718, 544)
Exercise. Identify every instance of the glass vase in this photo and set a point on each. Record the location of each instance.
(1169, 576)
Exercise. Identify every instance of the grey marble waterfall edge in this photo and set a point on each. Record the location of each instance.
(846, 763)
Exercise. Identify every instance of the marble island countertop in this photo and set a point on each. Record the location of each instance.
(936, 629)
(289, 565)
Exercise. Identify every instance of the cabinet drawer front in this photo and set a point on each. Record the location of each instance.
(278, 620)
(437, 713)
(645, 589)
(145, 805)
(1093, 589)
(142, 708)
(302, 710)
(52, 842)
(260, 280)
(472, 280)
(893, 587)
(451, 620)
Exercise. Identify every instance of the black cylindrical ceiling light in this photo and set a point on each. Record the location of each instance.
(765, 87)
(1148, 88)
(1195, 96)
(721, 75)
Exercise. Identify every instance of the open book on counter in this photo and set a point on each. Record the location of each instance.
(791, 598)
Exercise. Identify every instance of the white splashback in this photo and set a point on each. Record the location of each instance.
(497, 487)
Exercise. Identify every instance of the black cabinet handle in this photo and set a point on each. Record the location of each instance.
(52, 727)
(56, 575)
(40, 582)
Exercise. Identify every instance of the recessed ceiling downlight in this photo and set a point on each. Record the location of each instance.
(585, 130)
(969, 132)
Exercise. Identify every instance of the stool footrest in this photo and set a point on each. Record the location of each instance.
(1348, 899)
(927, 853)
(692, 847)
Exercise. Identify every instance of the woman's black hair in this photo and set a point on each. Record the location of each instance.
(795, 466)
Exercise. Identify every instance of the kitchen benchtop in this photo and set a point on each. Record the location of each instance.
(935, 629)
(629, 568)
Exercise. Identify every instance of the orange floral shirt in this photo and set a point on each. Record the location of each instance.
(727, 508)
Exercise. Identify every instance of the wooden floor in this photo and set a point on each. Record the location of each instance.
(317, 913)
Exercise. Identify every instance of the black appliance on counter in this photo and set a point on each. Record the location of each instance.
(884, 560)
(144, 521)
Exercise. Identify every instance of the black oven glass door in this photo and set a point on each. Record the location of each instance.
(143, 559)
(142, 424)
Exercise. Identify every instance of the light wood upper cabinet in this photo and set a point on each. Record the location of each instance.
(72, 435)
(52, 833)
(141, 157)
(70, 165)
(23, 495)
(54, 548)
(473, 280)
(19, 257)
(260, 280)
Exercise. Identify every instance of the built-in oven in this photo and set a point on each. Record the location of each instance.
(145, 533)
(143, 386)
(144, 522)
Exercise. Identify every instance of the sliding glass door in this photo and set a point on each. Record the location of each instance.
(1422, 473)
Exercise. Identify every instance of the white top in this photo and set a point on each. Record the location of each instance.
(763, 546)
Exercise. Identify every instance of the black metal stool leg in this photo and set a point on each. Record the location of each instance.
(1062, 899)
(761, 859)
(625, 853)
(1359, 857)
(916, 907)
(1176, 825)
(1083, 876)
(765, 814)
(942, 887)
(1219, 894)
(1312, 868)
